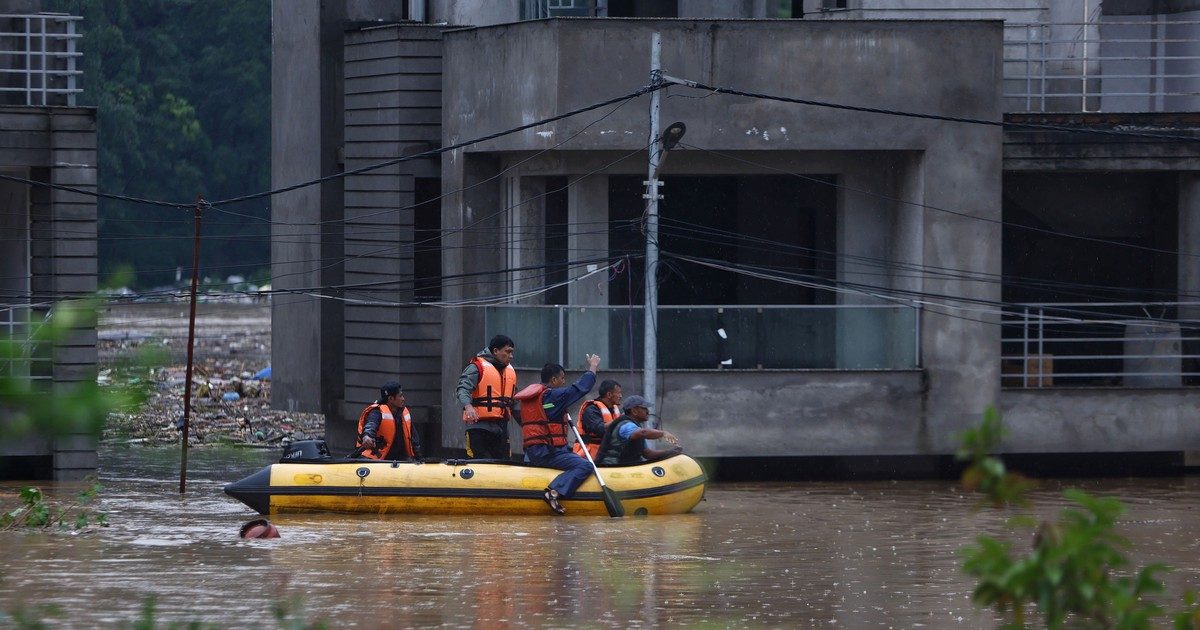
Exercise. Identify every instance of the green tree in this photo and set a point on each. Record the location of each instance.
(182, 91)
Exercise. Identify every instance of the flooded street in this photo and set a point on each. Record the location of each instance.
(820, 554)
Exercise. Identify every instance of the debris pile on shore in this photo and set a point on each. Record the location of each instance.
(229, 404)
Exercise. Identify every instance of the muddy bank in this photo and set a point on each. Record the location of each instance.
(230, 395)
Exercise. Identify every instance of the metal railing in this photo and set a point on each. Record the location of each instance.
(39, 58)
(1112, 344)
(19, 356)
(741, 337)
(1108, 65)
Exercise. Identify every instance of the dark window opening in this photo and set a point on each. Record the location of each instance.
(775, 223)
(643, 8)
(1051, 277)
(427, 236)
(557, 254)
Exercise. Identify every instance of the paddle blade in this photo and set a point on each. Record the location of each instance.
(612, 503)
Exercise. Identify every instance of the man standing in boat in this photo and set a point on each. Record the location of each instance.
(485, 393)
(625, 439)
(385, 427)
(544, 430)
(595, 416)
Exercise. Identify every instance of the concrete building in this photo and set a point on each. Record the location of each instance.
(48, 236)
(865, 282)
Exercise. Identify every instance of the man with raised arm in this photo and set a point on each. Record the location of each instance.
(544, 429)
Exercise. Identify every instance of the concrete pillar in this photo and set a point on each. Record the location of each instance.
(588, 329)
(587, 237)
(525, 234)
(864, 230)
(961, 348)
(306, 133)
(472, 224)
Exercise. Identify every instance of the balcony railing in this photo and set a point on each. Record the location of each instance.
(1122, 65)
(39, 59)
(715, 337)
(19, 356)
(1101, 345)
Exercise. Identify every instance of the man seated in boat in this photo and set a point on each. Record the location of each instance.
(544, 421)
(485, 392)
(625, 439)
(595, 415)
(385, 427)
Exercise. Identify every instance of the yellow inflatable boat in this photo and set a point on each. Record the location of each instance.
(321, 484)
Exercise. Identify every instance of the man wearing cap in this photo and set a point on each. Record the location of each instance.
(385, 427)
(625, 439)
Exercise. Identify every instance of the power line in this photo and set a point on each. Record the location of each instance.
(959, 119)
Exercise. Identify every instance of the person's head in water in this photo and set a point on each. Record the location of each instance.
(259, 528)
(502, 347)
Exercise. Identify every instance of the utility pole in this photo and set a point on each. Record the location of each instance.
(650, 338)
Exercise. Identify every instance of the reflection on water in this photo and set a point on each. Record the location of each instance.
(849, 554)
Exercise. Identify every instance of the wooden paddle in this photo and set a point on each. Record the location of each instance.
(611, 502)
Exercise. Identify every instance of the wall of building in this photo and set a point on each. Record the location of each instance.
(535, 70)
(57, 145)
(393, 108)
(307, 120)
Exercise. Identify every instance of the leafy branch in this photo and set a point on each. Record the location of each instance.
(1073, 569)
(37, 511)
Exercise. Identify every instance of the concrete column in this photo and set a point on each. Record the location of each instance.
(960, 347)
(472, 224)
(525, 234)
(587, 237)
(864, 229)
(306, 133)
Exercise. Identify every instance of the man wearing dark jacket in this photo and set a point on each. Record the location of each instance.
(485, 392)
(544, 429)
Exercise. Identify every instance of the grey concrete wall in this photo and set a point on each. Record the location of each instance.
(307, 119)
(1098, 420)
(392, 108)
(306, 130)
(57, 145)
(844, 62)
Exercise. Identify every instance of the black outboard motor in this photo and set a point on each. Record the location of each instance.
(306, 452)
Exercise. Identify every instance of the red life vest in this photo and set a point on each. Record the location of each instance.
(593, 440)
(493, 395)
(386, 435)
(536, 427)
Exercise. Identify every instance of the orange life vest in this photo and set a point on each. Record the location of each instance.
(593, 440)
(386, 435)
(536, 426)
(493, 395)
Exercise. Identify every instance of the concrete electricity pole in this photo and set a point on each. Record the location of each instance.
(650, 345)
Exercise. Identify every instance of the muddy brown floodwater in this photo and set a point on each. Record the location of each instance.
(821, 554)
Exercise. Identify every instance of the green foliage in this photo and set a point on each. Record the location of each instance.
(1072, 573)
(78, 408)
(36, 511)
(182, 90)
